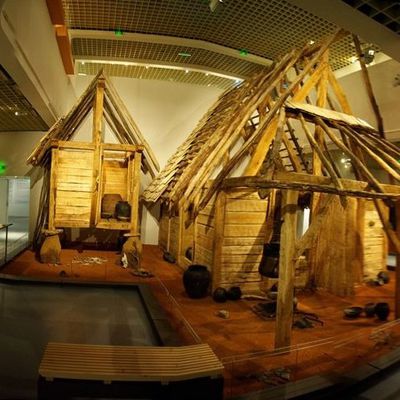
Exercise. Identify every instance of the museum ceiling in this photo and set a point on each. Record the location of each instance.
(207, 42)
(16, 112)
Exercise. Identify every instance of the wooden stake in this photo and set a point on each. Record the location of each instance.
(97, 139)
(284, 314)
(219, 225)
(394, 238)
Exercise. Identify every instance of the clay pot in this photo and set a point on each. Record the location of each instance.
(189, 253)
(168, 257)
(108, 203)
(369, 310)
(234, 293)
(382, 311)
(383, 276)
(196, 280)
(123, 211)
(219, 295)
(353, 312)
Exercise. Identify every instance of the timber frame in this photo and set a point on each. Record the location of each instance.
(253, 138)
(79, 174)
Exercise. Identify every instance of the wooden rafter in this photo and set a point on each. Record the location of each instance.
(114, 112)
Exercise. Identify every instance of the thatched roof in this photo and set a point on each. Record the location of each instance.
(262, 124)
(116, 116)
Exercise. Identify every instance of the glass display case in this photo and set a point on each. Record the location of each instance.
(14, 216)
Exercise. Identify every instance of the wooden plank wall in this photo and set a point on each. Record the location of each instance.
(115, 178)
(204, 235)
(74, 187)
(163, 233)
(375, 241)
(243, 239)
(174, 236)
(187, 240)
(336, 255)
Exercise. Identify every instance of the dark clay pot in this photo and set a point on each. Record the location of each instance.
(219, 295)
(123, 211)
(108, 204)
(384, 276)
(168, 257)
(382, 311)
(369, 310)
(189, 253)
(234, 293)
(196, 280)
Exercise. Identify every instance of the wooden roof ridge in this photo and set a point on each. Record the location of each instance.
(271, 110)
(116, 115)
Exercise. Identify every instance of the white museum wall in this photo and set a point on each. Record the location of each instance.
(15, 148)
(387, 95)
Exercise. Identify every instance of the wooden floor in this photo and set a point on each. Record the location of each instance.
(348, 342)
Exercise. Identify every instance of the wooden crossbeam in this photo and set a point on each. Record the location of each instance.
(311, 184)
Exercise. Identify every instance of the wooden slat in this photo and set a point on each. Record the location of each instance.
(244, 230)
(247, 217)
(128, 363)
(246, 205)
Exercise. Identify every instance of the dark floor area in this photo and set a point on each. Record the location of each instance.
(31, 315)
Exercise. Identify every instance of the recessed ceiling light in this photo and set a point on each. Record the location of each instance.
(186, 71)
(311, 41)
(16, 113)
(147, 67)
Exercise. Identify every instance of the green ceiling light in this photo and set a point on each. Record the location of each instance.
(243, 52)
(3, 167)
(183, 54)
(118, 32)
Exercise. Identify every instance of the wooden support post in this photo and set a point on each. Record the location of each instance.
(97, 139)
(394, 238)
(219, 224)
(368, 86)
(284, 314)
(53, 188)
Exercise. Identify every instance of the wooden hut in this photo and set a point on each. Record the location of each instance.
(219, 190)
(81, 174)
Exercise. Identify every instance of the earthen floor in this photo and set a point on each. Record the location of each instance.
(344, 343)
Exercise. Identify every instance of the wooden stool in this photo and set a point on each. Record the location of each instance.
(132, 248)
(51, 247)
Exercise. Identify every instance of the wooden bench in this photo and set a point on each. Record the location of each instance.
(129, 368)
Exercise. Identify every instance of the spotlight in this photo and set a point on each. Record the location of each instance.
(369, 55)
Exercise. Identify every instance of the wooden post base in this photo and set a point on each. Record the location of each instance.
(132, 249)
(51, 247)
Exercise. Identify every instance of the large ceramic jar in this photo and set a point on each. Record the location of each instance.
(123, 211)
(382, 311)
(196, 280)
(108, 203)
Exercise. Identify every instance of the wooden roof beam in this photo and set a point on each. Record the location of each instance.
(312, 183)
(56, 12)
